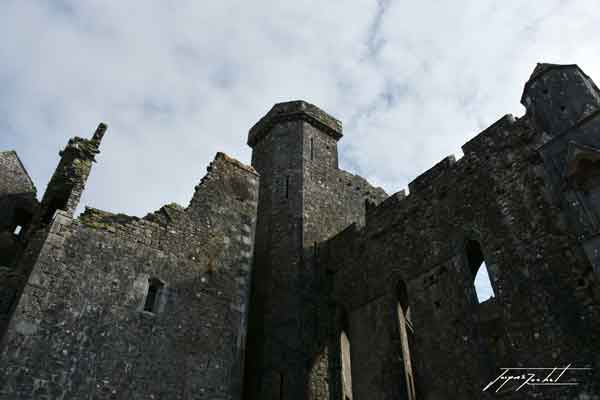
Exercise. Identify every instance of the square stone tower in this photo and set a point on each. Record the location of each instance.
(303, 199)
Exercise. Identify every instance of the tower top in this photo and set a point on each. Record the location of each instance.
(543, 68)
(560, 97)
(294, 111)
(100, 131)
(85, 148)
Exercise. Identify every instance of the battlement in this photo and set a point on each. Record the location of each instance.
(295, 111)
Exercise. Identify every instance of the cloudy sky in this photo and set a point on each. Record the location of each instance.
(410, 80)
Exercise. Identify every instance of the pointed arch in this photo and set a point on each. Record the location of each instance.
(479, 272)
(345, 355)
(406, 329)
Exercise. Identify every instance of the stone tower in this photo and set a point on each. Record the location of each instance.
(295, 152)
(68, 181)
(17, 196)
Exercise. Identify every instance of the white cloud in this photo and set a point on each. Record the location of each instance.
(411, 81)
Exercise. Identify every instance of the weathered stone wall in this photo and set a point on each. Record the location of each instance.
(333, 199)
(13, 178)
(81, 328)
(274, 326)
(502, 195)
(18, 204)
(19, 209)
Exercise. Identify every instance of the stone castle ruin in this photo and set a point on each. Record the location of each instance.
(292, 279)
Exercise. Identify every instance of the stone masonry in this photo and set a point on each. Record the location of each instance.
(308, 283)
(119, 307)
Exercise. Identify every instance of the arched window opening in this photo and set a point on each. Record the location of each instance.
(479, 272)
(406, 337)
(483, 285)
(155, 286)
(346, 366)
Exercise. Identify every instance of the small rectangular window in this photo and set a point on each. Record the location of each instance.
(154, 288)
(21, 222)
(312, 149)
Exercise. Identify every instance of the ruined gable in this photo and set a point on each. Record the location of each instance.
(162, 298)
(17, 197)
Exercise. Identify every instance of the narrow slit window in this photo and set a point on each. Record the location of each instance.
(154, 288)
(346, 366)
(312, 149)
(281, 382)
(287, 187)
(479, 272)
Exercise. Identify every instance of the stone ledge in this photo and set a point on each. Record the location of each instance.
(295, 111)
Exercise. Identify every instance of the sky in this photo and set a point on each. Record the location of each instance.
(177, 82)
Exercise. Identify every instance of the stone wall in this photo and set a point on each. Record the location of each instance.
(501, 204)
(17, 203)
(14, 177)
(333, 199)
(85, 327)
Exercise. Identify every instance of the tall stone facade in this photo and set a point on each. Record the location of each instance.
(309, 283)
(303, 199)
(119, 307)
